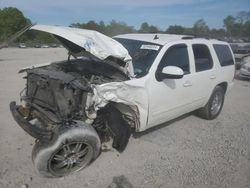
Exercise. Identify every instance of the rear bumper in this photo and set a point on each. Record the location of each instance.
(31, 129)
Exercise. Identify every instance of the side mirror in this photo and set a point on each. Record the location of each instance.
(169, 72)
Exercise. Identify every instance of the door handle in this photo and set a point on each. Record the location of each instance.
(212, 77)
(187, 84)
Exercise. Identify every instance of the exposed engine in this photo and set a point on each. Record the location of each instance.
(57, 93)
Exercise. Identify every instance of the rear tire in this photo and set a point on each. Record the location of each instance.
(214, 106)
(72, 148)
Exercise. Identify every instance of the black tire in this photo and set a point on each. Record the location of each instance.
(211, 111)
(71, 149)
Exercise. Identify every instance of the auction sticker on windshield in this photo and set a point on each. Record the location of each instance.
(150, 47)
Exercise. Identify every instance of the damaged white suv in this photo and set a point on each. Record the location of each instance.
(114, 87)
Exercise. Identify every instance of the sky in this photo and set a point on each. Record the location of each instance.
(160, 13)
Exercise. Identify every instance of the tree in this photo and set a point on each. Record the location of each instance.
(117, 28)
(12, 20)
(246, 29)
(146, 28)
(175, 29)
(238, 26)
(242, 25)
(217, 33)
(91, 25)
(230, 25)
(114, 28)
(243, 17)
(200, 28)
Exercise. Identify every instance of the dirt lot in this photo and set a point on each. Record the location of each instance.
(187, 152)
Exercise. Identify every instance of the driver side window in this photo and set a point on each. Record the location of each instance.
(176, 55)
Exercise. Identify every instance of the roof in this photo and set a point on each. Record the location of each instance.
(162, 39)
(157, 38)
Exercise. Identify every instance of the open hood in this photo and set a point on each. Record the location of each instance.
(83, 42)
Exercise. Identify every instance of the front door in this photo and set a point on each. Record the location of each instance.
(170, 98)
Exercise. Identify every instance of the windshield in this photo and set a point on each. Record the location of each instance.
(143, 54)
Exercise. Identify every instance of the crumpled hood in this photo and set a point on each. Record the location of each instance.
(83, 42)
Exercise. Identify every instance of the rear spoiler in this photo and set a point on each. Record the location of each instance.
(16, 35)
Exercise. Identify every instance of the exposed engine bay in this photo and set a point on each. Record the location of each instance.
(56, 94)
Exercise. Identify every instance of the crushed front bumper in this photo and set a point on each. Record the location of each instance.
(31, 129)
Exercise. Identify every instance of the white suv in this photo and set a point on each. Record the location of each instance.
(114, 87)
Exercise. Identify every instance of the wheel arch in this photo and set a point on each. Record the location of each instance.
(205, 111)
(224, 86)
(130, 114)
(121, 120)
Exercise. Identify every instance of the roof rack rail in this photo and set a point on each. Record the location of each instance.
(188, 37)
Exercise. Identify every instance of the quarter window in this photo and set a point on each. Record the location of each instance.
(202, 57)
(176, 55)
(224, 54)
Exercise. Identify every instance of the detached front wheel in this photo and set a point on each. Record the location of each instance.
(71, 149)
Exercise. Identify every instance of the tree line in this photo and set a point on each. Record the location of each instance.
(12, 20)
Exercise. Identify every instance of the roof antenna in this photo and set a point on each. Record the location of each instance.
(156, 37)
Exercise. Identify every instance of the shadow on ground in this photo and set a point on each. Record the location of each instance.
(120, 182)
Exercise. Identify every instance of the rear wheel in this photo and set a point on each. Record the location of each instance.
(214, 105)
(71, 149)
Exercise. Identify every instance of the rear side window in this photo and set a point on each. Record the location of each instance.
(202, 57)
(224, 54)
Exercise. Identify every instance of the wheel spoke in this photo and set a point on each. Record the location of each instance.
(69, 166)
(78, 162)
(61, 164)
(77, 147)
(82, 153)
(66, 149)
(59, 158)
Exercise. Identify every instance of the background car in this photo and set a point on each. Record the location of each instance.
(44, 46)
(245, 68)
(22, 45)
(37, 46)
(53, 45)
(240, 59)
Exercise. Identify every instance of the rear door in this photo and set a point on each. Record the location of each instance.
(203, 75)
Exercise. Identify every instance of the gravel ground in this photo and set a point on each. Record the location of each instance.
(187, 152)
